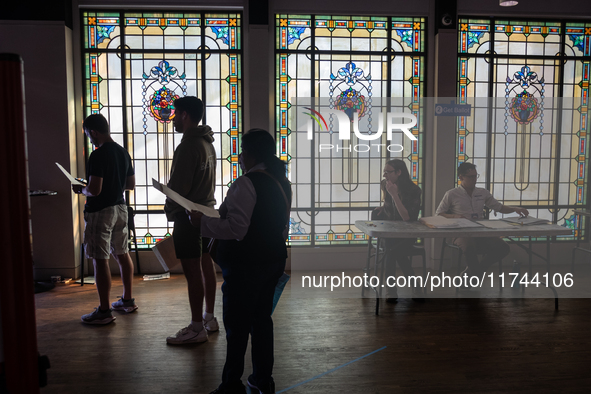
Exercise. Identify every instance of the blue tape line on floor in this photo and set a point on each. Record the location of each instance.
(332, 370)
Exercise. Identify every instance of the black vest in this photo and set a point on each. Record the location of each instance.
(263, 244)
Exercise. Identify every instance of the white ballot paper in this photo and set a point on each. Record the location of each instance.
(73, 180)
(183, 202)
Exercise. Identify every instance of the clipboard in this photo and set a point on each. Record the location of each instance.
(73, 181)
(183, 202)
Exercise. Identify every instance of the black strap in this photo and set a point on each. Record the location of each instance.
(287, 204)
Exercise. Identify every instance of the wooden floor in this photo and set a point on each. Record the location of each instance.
(441, 346)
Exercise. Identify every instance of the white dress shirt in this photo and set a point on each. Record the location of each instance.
(237, 209)
(457, 201)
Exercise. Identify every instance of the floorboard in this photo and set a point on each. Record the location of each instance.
(440, 346)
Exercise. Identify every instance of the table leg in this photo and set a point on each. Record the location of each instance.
(378, 293)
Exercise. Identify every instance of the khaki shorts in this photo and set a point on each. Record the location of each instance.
(106, 232)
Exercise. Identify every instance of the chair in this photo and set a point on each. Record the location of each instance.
(373, 248)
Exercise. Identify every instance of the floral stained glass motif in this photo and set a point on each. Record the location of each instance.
(354, 63)
(136, 65)
(529, 140)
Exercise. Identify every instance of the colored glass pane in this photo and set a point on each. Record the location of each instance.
(343, 60)
(133, 79)
(528, 130)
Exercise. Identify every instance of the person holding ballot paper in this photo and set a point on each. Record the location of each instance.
(192, 176)
(468, 201)
(252, 229)
(109, 173)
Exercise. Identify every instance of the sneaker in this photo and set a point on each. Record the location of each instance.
(268, 389)
(126, 306)
(211, 325)
(187, 335)
(98, 317)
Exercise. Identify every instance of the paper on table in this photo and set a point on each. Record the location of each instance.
(525, 221)
(183, 202)
(465, 223)
(496, 224)
(73, 180)
(438, 222)
(443, 222)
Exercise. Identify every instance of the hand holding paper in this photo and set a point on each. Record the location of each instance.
(195, 218)
(183, 202)
(73, 181)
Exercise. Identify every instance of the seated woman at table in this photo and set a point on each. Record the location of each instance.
(402, 201)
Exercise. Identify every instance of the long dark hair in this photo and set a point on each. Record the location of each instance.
(261, 146)
(405, 184)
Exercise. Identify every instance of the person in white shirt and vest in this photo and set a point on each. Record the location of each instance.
(252, 229)
(468, 201)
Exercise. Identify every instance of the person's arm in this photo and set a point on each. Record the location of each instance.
(181, 175)
(239, 204)
(92, 189)
(130, 182)
(444, 207)
(495, 205)
(507, 209)
(393, 191)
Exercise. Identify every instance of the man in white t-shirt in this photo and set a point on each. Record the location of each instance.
(468, 201)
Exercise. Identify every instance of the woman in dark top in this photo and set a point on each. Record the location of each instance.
(402, 201)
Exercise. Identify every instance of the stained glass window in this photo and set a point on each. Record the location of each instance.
(529, 140)
(355, 63)
(135, 65)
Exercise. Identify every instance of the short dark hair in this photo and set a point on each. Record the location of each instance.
(465, 167)
(96, 122)
(191, 105)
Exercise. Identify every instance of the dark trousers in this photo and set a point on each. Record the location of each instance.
(491, 249)
(398, 251)
(248, 303)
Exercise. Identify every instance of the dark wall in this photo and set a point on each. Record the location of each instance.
(56, 10)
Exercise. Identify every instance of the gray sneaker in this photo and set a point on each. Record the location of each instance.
(126, 306)
(211, 325)
(187, 335)
(98, 317)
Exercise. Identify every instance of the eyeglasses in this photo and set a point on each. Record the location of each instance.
(388, 172)
(471, 176)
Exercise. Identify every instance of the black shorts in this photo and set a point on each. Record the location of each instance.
(186, 237)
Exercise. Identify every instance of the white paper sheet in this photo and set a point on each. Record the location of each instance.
(525, 221)
(183, 202)
(496, 224)
(73, 180)
(443, 222)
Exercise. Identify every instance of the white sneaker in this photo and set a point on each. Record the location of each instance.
(187, 335)
(211, 325)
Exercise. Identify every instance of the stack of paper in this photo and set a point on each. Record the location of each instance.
(525, 220)
(438, 222)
